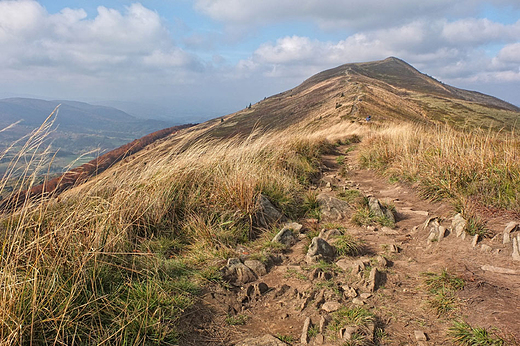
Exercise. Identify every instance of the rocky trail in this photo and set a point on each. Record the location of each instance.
(332, 282)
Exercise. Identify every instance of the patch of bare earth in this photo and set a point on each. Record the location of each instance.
(399, 303)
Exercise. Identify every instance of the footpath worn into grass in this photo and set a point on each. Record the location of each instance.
(429, 293)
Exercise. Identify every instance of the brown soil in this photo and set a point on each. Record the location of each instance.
(400, 305)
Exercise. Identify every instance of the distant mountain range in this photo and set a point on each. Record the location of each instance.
(79, 126)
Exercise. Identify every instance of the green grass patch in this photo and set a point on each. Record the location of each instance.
(465, 335)
(442, 289)
(347, 245)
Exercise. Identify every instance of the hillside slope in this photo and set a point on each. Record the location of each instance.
(388, 90)
(294, 219)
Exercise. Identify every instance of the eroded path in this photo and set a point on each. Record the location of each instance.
(291, 290)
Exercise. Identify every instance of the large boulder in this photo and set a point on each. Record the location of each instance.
(318, 250)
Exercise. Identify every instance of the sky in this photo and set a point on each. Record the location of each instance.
(197, 59)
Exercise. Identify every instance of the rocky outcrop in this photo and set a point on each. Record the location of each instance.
(287, 235)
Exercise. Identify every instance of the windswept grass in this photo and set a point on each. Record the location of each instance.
(120, 259)
(465, 335)
(470, 168)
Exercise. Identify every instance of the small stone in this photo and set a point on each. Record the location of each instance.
(328, 234)
(365, 295)
(485, 248)
(320, 299)
(285, 237)
(442, 232)
(284, 316)
(458, 224)
(475, 240)
(319, 249)
(371, 228)
(419, 335)
(305, 331)
(324, 321)
(331, 306)
(394, 248)
(256, 266)
(516, 248)
(344, 264)
(511, 227)
(320, 339)
(349, 292)
(347, 333)
(373, 279)
(382, 261)
(358, 301)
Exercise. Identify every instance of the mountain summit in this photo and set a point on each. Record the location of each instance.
(389, 90)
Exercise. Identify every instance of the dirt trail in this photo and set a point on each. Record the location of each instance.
(399, 303)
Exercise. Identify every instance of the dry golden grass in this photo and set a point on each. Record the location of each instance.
(475, 168)
(119, 259)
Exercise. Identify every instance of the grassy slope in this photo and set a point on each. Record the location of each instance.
(119, 259)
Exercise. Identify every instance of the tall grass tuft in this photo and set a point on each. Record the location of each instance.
(470, 168)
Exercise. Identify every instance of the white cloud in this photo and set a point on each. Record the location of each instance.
(333, 14)
(109, 45)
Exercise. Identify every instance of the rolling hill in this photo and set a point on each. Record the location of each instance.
(292, 219)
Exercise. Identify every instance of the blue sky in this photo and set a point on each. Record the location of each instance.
(197, 59)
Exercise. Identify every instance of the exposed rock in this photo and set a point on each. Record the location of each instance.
(511, 227)
(266, 340)
(331, 306)
(295, 226)
(349, 292)
(442, 232)
(324, 321)
(432, 222)
(394, 248)
(320, 339)
(285, 237)
(365, 295)
(374, 279)
(319, 249)
(236, 272)
(266, 214)
(358, 301)
(500, 270)
(305, 331)
(328, 234)
(516, 248)
(458, 224)
(383, 262)
(372, 228)
(332, 209)
(256, 266)
(347, 333)
(475, 240)
(320, 299)
(282, 290)
(419, 335)
(379, 210)
(485, 248)
(344, 264)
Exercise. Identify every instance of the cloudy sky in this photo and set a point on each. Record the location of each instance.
(204, 58)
